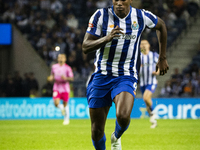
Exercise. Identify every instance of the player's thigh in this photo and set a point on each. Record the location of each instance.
(56, 98)
(56, 101)
(124, 103)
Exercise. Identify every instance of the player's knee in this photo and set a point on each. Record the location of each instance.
(123, 118)
(97, 133)
(145, 98)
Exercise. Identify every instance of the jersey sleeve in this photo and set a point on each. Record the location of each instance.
(156, 56)
(95, 24)
(70, 72)
(150, 19)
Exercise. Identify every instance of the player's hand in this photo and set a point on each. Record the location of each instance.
(155, 73)
(163, 66)
(116, 32)
(63, 77)
(50, 78)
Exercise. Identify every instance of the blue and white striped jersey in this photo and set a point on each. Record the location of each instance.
(121, 56)
(148, 65)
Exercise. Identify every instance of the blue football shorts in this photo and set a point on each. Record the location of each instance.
(102, 89)
(150, 87)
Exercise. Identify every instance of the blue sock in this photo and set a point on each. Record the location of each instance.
(151, 108)
(100, 145)
(119, 130)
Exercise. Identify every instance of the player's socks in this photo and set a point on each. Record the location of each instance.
(119, 130)
(67, 115)
(153, 119)
(61, 107)
(151, 108)
(100, 145)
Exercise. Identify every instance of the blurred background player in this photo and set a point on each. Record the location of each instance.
(62, 74)
(148, 81)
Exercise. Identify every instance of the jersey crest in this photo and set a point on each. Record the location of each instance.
(135, 25)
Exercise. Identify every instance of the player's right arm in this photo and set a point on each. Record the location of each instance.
(50, 78)
(92, 42)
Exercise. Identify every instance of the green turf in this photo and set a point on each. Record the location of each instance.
(52, 135)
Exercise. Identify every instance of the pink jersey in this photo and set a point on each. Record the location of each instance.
(58, 71)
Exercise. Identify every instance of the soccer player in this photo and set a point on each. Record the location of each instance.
(114, 33)
(62, 74)
(148, 82)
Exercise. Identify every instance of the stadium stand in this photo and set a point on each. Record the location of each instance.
(14, 85)
(185, 84)
(48, 24)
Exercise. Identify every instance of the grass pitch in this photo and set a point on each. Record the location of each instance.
(52, 135)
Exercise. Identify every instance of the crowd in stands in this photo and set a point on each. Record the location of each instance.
(14, 85)
(58, 26)
(185, 84)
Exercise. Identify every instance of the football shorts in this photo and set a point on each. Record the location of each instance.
(102, 89)
(63, 96)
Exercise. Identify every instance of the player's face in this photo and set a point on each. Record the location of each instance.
(121, 7)
(61, 58)
(144, 46)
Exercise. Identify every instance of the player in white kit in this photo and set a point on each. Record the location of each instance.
(114, 33)
(148, 81)
(62, 74)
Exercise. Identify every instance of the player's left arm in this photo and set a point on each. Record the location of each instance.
(69, 79)
(50, 78)
(161, 31)
(69, 75)
(155, 60)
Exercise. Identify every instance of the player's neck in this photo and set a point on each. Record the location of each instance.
(61, 64)
(122, 14)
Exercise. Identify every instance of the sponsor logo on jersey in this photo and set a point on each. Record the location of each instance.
(125, 36)
(90, 25)
(135, 25)
(111, 26)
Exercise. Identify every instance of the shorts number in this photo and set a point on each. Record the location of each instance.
(135, 86)
(153, 87)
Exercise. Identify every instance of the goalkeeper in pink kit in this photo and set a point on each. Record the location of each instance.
(61, 74)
